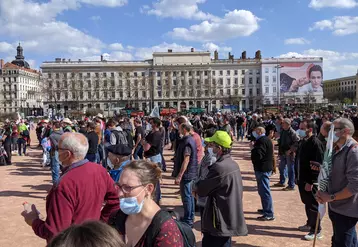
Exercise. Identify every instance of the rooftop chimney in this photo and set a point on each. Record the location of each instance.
(101, 57)
(2, 63)
(216, 55)
(243, 55)
(258, 54)
(170, 50)
(231, 57)
(58, 60)
(63, 60)
(192, 49)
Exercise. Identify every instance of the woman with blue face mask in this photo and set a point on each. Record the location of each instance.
(138, 210)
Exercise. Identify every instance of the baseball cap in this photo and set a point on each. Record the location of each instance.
(120, 149)
(221, 138)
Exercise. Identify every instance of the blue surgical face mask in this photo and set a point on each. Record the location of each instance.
(210, 151)
(255, 134)
(335, 137)
(130, 205)
(301, 133)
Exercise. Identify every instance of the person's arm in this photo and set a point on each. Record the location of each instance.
(169, 235)
(111, 199)
(59, 214)
(184, 166)
(210, 184)
(113, 139)
(139, 138)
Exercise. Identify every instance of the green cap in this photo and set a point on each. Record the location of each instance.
(221, 138)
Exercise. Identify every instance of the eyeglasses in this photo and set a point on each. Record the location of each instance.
(126, 188)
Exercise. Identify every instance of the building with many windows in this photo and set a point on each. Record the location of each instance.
(182, 80)
(20, 87)
(336, 90)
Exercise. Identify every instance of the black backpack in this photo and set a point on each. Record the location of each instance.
(118, 221)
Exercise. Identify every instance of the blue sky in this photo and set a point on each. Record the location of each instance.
(133, 29)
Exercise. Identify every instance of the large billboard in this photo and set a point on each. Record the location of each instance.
(301, 78)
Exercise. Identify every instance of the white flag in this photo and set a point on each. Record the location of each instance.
(325, 171)
(155, 112)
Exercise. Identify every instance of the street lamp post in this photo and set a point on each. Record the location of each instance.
(278, 66)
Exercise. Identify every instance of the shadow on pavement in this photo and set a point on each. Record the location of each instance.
(9, 193)
(265, 230)
(42, 187)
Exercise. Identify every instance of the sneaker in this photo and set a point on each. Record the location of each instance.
(304, 228)
(310, 236)
(288, 188)
(260, 211)
(265, 218)
(278, 185)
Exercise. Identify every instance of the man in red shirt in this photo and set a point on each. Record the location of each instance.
(79, 194)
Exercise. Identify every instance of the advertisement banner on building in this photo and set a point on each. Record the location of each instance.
(301, 78)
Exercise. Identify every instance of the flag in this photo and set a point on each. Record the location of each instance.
(325, 171)
(155, 112)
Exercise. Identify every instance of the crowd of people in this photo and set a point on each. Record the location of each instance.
(81, 154)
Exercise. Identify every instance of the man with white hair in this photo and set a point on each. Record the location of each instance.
(79, 194)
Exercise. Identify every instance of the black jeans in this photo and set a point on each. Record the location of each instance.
(7, 147)
(211, 241)
(344, 230)
(311, 207)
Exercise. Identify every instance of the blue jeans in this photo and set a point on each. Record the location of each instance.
(263, 185)
(138, 152)
(187, 199)
(240, 132)
(210, 241)
(91, 157)
(55, 168)
(287, 169)
(21, 143)
(344, 230)
(158, 193)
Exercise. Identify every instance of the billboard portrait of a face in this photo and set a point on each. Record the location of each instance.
(301, 78)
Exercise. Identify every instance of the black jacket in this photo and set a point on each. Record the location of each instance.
(92, 142)
(192, 169)
(310, 149)
(288, 140)
(262, 155)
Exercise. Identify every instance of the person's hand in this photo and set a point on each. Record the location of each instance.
(323, 197)
(308, 187)
(302, 81)
(315, 166)
(30, 216)
(177, 180)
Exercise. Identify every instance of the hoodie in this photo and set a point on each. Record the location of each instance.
(55, 138)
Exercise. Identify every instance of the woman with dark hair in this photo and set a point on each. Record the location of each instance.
(139, 213)
(90, 233)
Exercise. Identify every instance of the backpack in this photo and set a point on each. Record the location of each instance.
(25, 133)
(121, 137)
(119, 219)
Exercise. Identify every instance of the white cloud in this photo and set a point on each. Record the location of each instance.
(213, 47)
(234, 24)
(146, 52)
(318, 4)
(36, 26)
(296, 41)
(116, 46)
(186, 9)
(6, 47)
(340, 25)
(335, 64)
(95, 18)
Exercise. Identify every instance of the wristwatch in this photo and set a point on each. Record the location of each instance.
(333, 197)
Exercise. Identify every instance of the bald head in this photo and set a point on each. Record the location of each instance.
(76, 143)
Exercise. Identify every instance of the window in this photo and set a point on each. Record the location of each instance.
(235, 72)
(97, 84)
(274, 89)
(190, 82)
(273, 70)
(112, 83)
(105, 95)
(228, 72)
(229, 82)
(221, 92)
(205, 73)
(166, 73)
(183, 73)
(236, 81)
(266, 90)
(197, 73)
(97, 95)
(228, 91)
(174, 82)
(242, 80)
(57, 84)
(221, 72)
(250, 80)
(266, 70)
(97, 75)
(257, 91)
(135, 74)
(243, 72)
(175, 94)
(183, 93)
(120, 94)
(236, 92)
(266, 79)
(143, 74)
(88, 95)
(213, 72)
(274, 79)
(160, 94)
(250, 72)
(159, 82)
(57, 76)
(158, 73)
(113, 94)
(258, 72)
(250, 92)
(257, 80)
(243, 91)
(190, 93)
(206, 92)
(189, 73)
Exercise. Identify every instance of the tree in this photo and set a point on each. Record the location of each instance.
(347, 101)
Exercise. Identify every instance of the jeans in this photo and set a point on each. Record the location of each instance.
(233, 130)
(286, 169)
(138, 152)
(14, 143)
(311, 207)
(210, 241)
(240, 133)
(344, 230)
(188, 201)
(21, 143)
(91, 157)
(158, 193)
(263, 185)
(55, 168)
